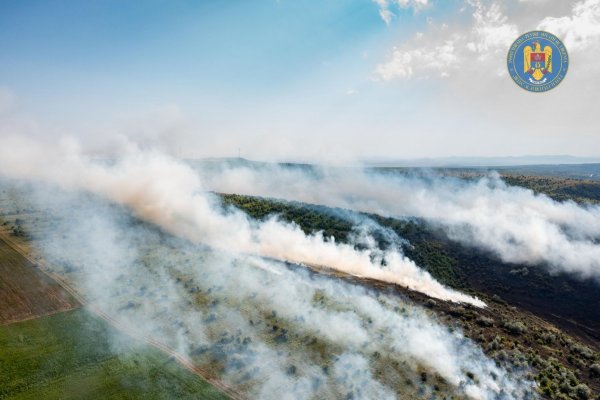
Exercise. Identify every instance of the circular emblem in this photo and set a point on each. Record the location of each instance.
(538, 61)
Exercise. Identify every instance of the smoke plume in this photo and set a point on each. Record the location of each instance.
(270, 329)
(171, 195)
(514, 223)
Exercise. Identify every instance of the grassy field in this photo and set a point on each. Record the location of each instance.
(25, 292)
(73, 355)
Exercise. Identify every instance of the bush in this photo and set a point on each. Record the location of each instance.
(495, 344)
(582, 350)
(582, 391)
(516, 328)
(565, 388)
(484, 321)
(548, 337)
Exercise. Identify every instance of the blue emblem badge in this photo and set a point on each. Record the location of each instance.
(538, 61)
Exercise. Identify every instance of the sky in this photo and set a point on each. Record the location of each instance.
(333, 80)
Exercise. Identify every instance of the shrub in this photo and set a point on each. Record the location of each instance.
(548, 337)
(582, 391)
(495, 344)
(565, 388)
(484, 321)
(582, 350)
(516, 328)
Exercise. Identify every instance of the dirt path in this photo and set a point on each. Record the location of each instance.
(183, 360)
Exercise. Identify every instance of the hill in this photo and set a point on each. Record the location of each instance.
(535, 319)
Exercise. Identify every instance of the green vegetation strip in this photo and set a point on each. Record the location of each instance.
(333, 222)
(73, 355)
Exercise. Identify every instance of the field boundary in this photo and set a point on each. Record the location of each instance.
(186, 362)
(32, 317)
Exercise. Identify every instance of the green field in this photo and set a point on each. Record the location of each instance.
(74, 355)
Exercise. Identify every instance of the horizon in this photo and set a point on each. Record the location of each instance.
(450, 161)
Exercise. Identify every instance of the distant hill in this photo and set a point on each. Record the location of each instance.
(482, 161)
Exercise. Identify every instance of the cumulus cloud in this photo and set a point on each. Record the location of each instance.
(579, 30)
(491, 32)
(403, 63)
(445, 50)
(488, 32)
(465, 57)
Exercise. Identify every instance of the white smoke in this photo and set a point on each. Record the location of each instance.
(170, 194)
(341, 340)
(514, 223)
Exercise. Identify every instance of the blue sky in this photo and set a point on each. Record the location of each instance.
(281, 79)
(167, 49)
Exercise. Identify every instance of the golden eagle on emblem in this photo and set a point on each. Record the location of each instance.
(536, 62)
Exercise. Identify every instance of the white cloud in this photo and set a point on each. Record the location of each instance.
(403, 63)
(444, 49)
(579, 30)
(384, 11)
(387, 15)
(468, 61)
(488, 33)
(415, 4)
(491, 32)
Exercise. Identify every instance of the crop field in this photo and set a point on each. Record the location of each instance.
(73, 355)
(26, 292)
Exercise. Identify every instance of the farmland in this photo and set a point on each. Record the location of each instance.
(26, 292)
(73, 355)
(52, 348)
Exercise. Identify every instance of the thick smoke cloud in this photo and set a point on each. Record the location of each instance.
(170, 194)
(513, 223)
(275, 330)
